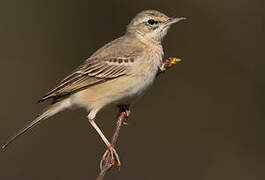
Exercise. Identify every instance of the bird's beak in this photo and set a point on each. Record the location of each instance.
(174, 20)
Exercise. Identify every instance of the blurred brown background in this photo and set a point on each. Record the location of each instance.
(202, 120)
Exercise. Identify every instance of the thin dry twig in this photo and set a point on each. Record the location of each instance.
(107, 162)
(168, 63)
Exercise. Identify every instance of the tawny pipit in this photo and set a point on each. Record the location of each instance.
(117, 73)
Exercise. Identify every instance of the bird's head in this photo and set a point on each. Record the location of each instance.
(151, 25)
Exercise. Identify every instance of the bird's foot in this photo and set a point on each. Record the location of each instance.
(109, 158)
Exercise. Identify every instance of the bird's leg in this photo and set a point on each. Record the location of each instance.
(113, 153)
(124, 113)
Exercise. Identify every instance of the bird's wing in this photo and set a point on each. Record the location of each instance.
(92, 72)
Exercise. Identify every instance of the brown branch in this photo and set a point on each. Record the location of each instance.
(168, 63)
(107, 162)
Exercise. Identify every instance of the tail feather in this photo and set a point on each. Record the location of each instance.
(50, 111)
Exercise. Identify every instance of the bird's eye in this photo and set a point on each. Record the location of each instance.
(151, 21)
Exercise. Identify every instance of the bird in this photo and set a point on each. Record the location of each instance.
(116, 74)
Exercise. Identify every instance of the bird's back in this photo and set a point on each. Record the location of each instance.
(109, 62)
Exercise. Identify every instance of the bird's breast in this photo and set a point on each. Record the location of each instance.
(145, 71)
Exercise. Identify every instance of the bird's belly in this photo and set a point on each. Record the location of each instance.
(123, 90)
(135, 91)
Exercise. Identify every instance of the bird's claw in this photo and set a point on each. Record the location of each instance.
(109, 158)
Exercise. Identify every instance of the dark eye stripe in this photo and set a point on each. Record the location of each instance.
(153, 22)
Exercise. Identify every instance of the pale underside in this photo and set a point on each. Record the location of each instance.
(117, 75)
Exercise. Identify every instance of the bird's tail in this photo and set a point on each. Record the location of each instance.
(50, 111)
